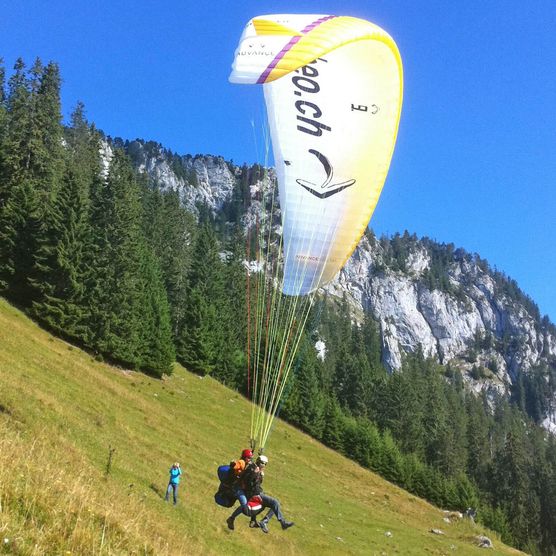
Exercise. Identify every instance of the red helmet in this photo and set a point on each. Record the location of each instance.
(246, 454)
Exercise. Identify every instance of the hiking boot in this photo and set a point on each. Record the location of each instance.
(263, 527)
(254, 524)
(230, 523)
(287, 524)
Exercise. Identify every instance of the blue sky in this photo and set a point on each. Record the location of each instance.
(475, 162)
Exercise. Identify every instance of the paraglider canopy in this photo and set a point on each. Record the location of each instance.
(333, 90)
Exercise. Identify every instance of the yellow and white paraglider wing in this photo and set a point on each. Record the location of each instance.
(333, 89)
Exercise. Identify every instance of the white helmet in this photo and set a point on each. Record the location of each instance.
(262, 459)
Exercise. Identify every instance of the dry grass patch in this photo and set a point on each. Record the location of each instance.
(52, 501)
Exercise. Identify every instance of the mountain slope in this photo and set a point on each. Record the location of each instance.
(61, 412)
(446, 302)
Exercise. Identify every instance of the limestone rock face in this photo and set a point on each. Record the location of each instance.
(474, 322)
(207, 179)
(443, 301)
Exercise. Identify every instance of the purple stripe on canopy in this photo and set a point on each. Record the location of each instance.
(288, 47)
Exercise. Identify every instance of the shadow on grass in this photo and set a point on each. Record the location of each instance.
(156, 489)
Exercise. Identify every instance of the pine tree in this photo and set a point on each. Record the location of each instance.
(372, 342)
(49, 155)
(512, 484)
(156, 349)
(358, 377)
(455, 443)
(17, 201)
(367, 447)
(547, 498)
(3, 130)
(467, 495)
(170, 231)
(391, 461)
(404, 407)
(114, 287)
(416, 475)
(3, 107)
(58, 271)
(340, 341)
(478, 455)
(201, 337)
(496, 519)
(31, 170)
(231, 362)
(435, 419)
(333, 432)
(61, 258)
(305, 404)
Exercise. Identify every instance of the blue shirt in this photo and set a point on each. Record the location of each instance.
(175, 473)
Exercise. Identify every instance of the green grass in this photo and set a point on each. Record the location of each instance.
(61, 411)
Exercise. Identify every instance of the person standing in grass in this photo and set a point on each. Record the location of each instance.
(173, 483)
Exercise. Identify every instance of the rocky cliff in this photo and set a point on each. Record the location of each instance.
(444, 301)
(461, 312)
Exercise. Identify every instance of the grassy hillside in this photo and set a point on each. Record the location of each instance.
(61, 412)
